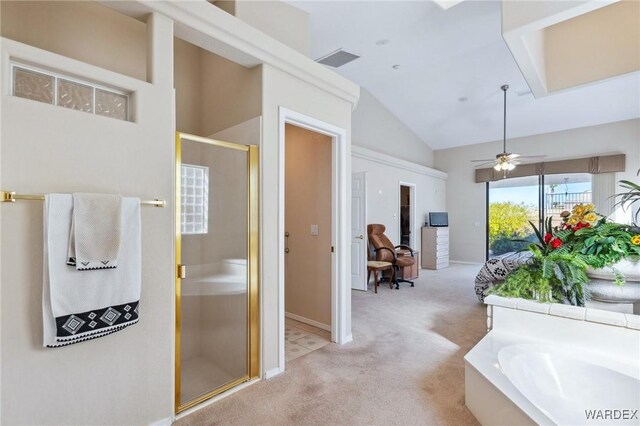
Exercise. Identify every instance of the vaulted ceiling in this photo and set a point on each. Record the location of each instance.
(442, 57)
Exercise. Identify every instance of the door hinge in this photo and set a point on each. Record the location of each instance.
(332, 249)
(182, 271)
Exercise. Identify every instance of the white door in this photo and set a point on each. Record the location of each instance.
(359, 231)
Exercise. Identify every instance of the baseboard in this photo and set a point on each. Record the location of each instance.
(162, 422)
(308, 321)
(347, 339)
(272, 373)
(464, 262)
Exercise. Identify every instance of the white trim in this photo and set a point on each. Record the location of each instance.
(307, 321)
(388, 160)
(217, 398)
(167, 421)
(340, 270)
(273, 373)
(464, 262)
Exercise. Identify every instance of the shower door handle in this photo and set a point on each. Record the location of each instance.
(182, 271)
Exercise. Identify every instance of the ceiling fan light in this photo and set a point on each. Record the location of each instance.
(498, 167)
(510, 166)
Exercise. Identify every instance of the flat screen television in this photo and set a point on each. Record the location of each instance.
(438, 219)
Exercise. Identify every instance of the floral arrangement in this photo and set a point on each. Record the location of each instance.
(582, 216)
(557, 270)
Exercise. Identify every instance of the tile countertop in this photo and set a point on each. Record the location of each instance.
(567, 311)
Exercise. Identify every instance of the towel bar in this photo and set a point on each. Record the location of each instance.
(12, 197)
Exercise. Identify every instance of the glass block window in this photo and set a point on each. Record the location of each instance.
(33, 85)
(75, 95)
(195, 199)
(52, 88)
(110, 104)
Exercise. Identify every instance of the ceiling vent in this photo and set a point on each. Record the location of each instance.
(337, 59)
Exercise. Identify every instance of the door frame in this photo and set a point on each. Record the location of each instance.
(253, 260)
(366, 241)
(412, 212)
(340, 279)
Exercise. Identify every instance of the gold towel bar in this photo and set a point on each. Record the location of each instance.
(12, 197)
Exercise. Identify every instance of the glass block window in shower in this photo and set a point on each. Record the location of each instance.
(42, 85)
(194, 192)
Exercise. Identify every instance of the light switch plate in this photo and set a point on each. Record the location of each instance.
(314, 230)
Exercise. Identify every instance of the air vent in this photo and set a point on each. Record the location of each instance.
(337, 59)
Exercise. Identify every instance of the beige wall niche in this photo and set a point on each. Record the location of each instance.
(82, 30)
(601, 44)
(308, 199)
(213, 93)
(282, 21)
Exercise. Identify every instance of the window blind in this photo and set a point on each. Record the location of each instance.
(593, 165)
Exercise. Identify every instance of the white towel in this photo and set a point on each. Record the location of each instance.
(94, 241)
(83, 305)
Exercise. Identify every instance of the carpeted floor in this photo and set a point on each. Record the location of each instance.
(404, 366)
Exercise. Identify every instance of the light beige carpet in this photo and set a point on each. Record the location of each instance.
(404, 366)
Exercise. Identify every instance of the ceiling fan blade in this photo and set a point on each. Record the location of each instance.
(511, 156)
(531, 157)
(487, 160)
(484, 164)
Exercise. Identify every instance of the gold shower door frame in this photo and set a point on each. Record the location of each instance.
(253, 332)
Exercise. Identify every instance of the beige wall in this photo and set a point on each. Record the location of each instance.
(600, 44)
(466, 199)
(283, 22)
(54, 149)
(231, 93)
(81, 30)
(187, 81)
(212, 93)
(376, 128)
(308, 201)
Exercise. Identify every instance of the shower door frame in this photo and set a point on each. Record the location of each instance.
(253, 301)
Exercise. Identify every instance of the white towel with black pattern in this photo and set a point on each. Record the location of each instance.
(94, 237)
(82, 305)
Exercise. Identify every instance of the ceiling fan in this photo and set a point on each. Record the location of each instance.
(505, 161)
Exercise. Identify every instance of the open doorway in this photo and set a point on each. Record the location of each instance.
(407, 214)
(308, 241)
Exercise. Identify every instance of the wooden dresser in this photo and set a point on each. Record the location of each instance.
(435, 247)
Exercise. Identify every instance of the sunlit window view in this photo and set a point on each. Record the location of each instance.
(516, 201)
(563, 192)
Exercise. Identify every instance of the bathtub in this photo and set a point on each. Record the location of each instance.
(553, 364)
(573, 387)
(227, 277)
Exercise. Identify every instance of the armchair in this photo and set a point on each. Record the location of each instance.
(385, 251)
